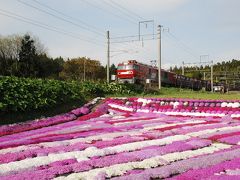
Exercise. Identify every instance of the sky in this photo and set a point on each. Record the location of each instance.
(192, 30)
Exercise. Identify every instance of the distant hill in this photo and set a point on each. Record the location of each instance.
(227, 72)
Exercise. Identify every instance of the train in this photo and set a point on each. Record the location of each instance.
(134, 72)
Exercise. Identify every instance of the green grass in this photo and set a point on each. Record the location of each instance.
(187, 93)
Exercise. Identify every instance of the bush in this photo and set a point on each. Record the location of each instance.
(24, 94)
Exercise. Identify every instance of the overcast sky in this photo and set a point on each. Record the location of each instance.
(192, 28)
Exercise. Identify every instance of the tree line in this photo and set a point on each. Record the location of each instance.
(26, 56)
(225, 71)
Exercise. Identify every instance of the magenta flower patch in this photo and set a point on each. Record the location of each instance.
(127, 138)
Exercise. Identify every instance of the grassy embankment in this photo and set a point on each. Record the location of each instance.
(169, 92)
(186, 93)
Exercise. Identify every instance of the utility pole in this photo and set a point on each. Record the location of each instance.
(183, 68)
(159, 56)
(84, 69)
(108, 55)
(212, 76)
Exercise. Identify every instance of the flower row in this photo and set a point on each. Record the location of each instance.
(120, 142)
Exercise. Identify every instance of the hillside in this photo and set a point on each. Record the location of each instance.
(227, 72)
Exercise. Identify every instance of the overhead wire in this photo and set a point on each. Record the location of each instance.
(60, 18)
(107, 10)
(126, 13)
(127, 10)
(45, 26)
(140, 49)
(183, 45)
(133, 36)
(117, 7)
(52, 28)
(70, 17)
(134, 40)
(177, 45)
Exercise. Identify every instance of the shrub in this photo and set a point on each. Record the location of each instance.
(21, 94)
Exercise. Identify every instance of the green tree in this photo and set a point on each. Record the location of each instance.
(113, 69)
(27, 57)
(78, 68)
(197, 75)
(9, 51)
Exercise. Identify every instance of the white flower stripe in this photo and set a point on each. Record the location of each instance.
(174, 124)
(231, 172)
(124, 108)
(203, 114)
(139, 120)
(89, 139)
(208, 131)
(85, 154)
(106, 136)
(120, 169)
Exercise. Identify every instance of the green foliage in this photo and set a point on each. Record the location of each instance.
(27, 56)
(225, 71)
(101, 89)
(112, 69)
(197, 75)
(82, 68)
(21, 94)
(26, 94)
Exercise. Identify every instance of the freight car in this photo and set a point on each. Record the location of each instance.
(134, 72)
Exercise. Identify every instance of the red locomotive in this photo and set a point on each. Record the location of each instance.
(135, 72)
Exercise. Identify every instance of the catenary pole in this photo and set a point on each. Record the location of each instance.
(108, 55)
(183, 68)
(84, 69)
(159, 56)
(212, 77)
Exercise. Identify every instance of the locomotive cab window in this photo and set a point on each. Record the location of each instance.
(120, 67)
(136, 67)
(128, 67)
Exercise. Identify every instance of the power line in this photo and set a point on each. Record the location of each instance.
(135, 46)
(106, 10)
(134, 40)
(127, 13)
(132, 36)
(58, 17)
(44, 26)
(125, 9)
(63, 14)
(117, 7)
(187, 48)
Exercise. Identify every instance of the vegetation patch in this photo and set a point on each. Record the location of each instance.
(24, 94)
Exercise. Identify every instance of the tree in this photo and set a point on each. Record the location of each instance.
(27, 57)
(9, 54)
(197, 75)
(112, 69)
(77, 67)
(11, 47)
